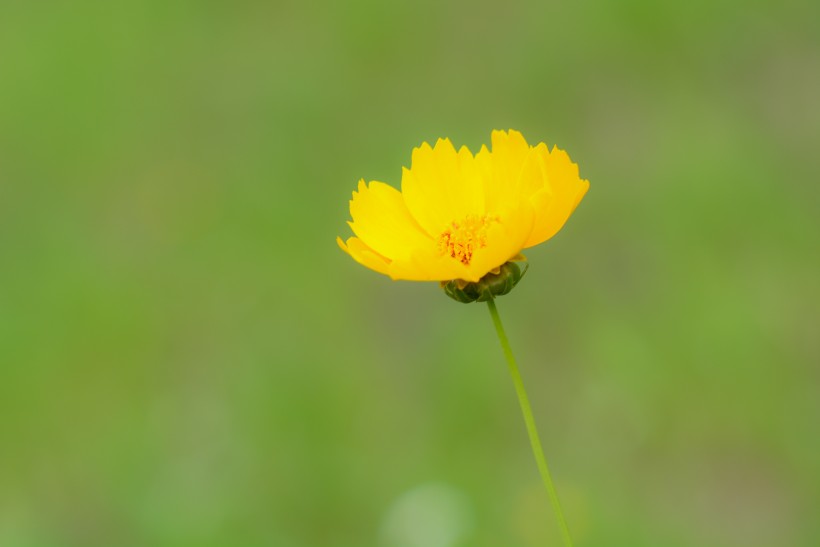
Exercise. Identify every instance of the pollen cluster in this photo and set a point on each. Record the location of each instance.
(466, 236)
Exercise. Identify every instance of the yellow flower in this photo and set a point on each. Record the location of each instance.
(460, 216)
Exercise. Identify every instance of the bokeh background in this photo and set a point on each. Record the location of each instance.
(187, 358)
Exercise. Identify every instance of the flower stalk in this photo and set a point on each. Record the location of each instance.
(526, 410)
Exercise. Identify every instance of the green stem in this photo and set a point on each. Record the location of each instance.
(537, 451)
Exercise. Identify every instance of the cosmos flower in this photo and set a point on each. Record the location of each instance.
(461, 216)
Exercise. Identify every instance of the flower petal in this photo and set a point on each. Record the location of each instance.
(505, 240)
(364, 255)
(381, 220)
(442, 185)
(533, 176)
(563, 190)
(426, 264)
(502, 169)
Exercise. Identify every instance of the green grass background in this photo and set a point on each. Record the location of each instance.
(187, 358)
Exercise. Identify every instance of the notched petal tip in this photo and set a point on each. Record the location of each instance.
(465, 154)
(511, 132)
(423, 148)
(561, 157)
(509, 136)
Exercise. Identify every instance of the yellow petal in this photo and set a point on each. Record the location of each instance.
(533, 177)
(467, 189)
(503, 167)
(505, 240)
(381, 220)
(442, 185)
(562, 191)
(364, 255)
(426, 265)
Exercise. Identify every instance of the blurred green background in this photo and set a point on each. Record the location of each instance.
(187, 358)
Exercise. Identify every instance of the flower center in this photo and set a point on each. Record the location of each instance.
(462, 238)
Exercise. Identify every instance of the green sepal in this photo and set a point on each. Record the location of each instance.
(486, 288)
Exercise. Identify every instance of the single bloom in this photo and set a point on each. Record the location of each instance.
(460, 216)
